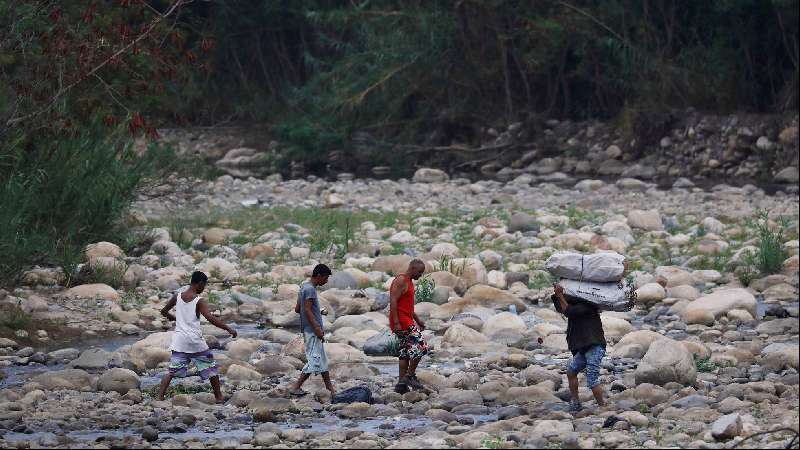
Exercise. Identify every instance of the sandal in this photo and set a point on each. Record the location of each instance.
(298, 393)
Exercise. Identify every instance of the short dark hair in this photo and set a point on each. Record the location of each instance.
(199, 278)
(321, 270)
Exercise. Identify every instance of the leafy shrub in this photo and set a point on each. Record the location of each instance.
(424, 290)
(56, 197)
(771, 253)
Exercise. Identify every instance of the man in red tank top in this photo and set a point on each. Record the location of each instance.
(411, 345)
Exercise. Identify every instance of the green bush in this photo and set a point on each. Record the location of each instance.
(57, 196)
(424, 290)
(771, 253)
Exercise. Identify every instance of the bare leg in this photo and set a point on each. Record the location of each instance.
(403, 371)
(573, 385)
(598, 395)
(164, 385)
(300, 381)
(326, 377)
(217, 389)
(412, 367)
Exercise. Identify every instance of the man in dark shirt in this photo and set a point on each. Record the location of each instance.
(587, 343)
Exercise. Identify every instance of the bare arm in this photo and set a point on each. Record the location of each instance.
(419, 322)
(170, 304)
(395, 292)
(202, 307)
(308, 309)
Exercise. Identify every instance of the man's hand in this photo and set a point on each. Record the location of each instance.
(421, 325)
(318, 332)
(559, 290)
(233, 333)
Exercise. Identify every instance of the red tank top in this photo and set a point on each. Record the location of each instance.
(405, 307)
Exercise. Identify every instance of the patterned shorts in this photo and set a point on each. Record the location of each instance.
(411, 344)
(590, 359)
(203, 362)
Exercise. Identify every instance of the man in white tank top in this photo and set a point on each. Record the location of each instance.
(188, 345)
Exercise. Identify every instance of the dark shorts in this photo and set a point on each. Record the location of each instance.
(411, 344)
(203, 362)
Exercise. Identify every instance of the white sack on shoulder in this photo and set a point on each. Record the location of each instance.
(598, 267)
(618, 296)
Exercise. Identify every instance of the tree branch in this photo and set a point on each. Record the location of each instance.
(15, 120)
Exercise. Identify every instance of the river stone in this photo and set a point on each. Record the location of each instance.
(451, 398)
(675, 276)
(650, 293)
(776, 357)
(103, 250)
(502, 323)
(68, 379)
(8, 343)
(615, 328)
(428, 175)
(720, 302)
(241, 373)
(393, 265)
(118, 380)
(683, 292)
(341, 280)
(523, 222)
(471, 270)
(459, 335)
(93, 291)
(489, 297)
(649, 220)
(94, 359)
(242, 349)
(727, 427)
(788, 175)
(666, 361)
(699, 317)
(214, 236)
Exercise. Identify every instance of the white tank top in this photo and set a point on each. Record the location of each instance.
(188, 337)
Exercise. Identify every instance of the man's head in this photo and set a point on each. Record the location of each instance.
(199, 280)
(415, 269)
(320, 274)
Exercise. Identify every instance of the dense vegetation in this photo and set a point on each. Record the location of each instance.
(75, 75)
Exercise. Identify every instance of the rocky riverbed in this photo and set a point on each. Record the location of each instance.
(707, 358)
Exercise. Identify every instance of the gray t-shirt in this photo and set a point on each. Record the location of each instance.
(309, 292)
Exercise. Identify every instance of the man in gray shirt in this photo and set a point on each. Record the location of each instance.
(311, 326)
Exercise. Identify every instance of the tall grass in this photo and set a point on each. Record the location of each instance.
(771, 253)
(58, 195)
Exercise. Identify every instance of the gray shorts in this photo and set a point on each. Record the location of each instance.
(316, 359)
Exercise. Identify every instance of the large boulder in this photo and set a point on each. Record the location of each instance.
(393, 264)
(471, 270)
(344, 303)
(427, 175)
(489, 297)
(650, 293)
(341, 280)
(503, 323)
(93, 291)
(103, 250)
(635, 344)
(523, 222)
(218, 268)
(459, 335)
(615, 328)
(153, 350)
(649, 220)
(542, 392)
(67, 379)
(242, 349)
(722, 301)
(777, 357)
(451, 398)
(447, 279)
(118, 380)
(241, 373)
(666, 361)
(94, 359)
(675, 276)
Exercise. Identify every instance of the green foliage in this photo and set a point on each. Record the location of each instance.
(57, 196)
(14, 318)
(424, 290)
(771, 253)
(492, 442)
(705, 365)
(747, 271)
(178, 389)
(541, 280)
